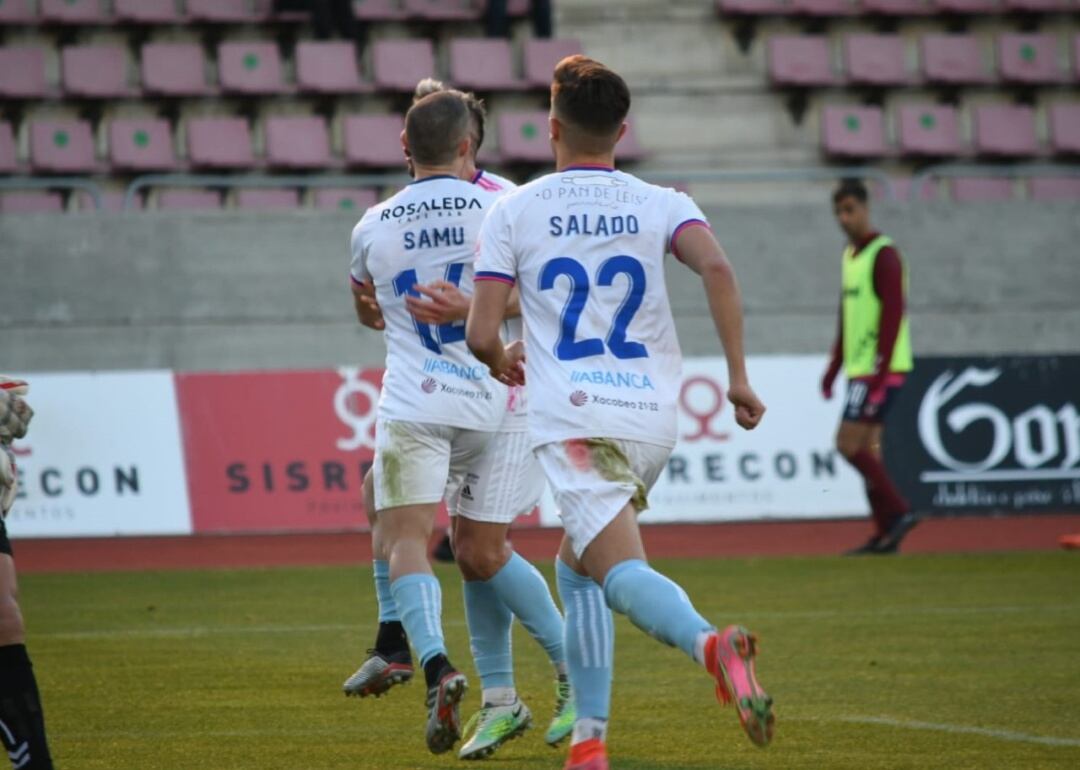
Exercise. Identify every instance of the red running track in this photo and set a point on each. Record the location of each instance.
(1008, 533)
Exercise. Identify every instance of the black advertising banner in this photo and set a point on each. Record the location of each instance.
(977, 435)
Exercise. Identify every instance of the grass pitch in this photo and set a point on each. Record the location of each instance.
(909, 662)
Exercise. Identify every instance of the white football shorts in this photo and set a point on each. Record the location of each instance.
(505, 482)
(593, 480)
(418, 463)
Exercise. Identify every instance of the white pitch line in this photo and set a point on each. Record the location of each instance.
(941, 727)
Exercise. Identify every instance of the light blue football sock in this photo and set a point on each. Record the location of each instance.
(523, 589)
(655, 604)
(419, 599)
(489, 634)
(388, 610)
(590, 642)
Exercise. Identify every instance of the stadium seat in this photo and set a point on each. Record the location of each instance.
(899, 7)
(17, 12)
(1028, 58)
(854, 132)
(967, 6)
(31, 202)
(379, 10)
(1065, 128)
(62, 146)
(174, 69)
(399, 64)
(219, 143)
(1037, 6)
(823, 7)
(953, 60)
(268, 199)
(224, 11)
(929, 130)
(374, 141)
(444, 10)
(523, 136)
(797, 60)
(1054, 188)
(9, 161)
(72, 11)
(877, 60)
(541, 56)
(141, 144)
(752, 7)
(188, 200)
(251, 67)
(345, 200)
(298, 141)
(22, 71)
(981, 189)
(483, 64)
(1005, 131)
(328, 68)
(95, 71)
(147, 11)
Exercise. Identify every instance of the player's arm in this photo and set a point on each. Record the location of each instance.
(889, 287)
(836, 355)
(486, 313)
(442, 302)
(15, 416)
(367, 307)
(699, 250)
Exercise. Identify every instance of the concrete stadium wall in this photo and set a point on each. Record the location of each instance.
(241, 290)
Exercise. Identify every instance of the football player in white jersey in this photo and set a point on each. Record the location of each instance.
(586, 248)
(502, 483)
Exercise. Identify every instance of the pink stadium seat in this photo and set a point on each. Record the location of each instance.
(967, 6)
(62, 146)
(358, 200)
(379, 10)
(72, 11)
(752, 7)
(95, 71)
(981, 189)
(483, 64)
(523, 136)
(879, 60)
(399, 64)
(17, 12)
(1028, 58)
(1076, 57)
(823, 7)
(147, 11)
(1005, 131)
(31, 203)
(188, 200)
(219, 143)
(1065, 128)
(1037, 5)
(444, 10)
(328, 68)
(898, 7)
(225, 11)
(796, 60)
(297, 142)
(267, 199)
(174, 69)
(141, 144)
(112, 202)
(854, 132)
(250, 68)
(929, 130)
(374, 140)
(9, 161)
(1054, 188)
(22, 71)
(541, 56)
(953, 60)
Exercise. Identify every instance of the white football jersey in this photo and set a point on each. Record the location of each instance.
(427, 232)
(586, 247)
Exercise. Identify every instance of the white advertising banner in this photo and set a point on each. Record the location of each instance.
(787, 468)
(103, 457)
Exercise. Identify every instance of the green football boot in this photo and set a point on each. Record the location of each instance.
(492, 726)
(562, 724)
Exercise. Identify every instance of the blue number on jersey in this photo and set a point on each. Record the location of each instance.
(447, 333)
(568, 347)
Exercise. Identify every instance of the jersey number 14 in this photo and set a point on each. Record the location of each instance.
(443, 334)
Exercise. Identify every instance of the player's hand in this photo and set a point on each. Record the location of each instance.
(367, 307)
(15, 413)
(9, 480)
(827, 384)
(511, 368)
(874, 400)
(748, 407)
(444, 303)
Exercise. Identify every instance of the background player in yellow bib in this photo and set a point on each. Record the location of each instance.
(873, 345)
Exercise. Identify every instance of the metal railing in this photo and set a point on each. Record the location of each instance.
(228, 182)
(49, 183)
(954, 170)
(786, 175)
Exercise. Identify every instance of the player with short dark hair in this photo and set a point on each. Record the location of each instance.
(873, 347)
(586, 246)
(22, 723)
